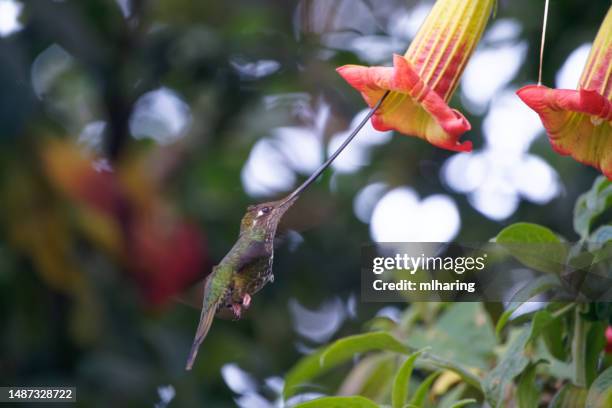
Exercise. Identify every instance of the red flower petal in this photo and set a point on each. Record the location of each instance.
(578, 123)
(412, 107)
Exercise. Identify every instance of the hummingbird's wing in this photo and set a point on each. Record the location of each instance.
(254, 251)
(255, 267)
(209, 308)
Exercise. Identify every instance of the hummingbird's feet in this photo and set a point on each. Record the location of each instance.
(237, 310)
(246, 300)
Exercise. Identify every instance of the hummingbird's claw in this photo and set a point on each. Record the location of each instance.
(246, 300)
(237, 309)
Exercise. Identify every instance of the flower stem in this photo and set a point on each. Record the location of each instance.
(563, 310)
(544, 24)
(579, 348)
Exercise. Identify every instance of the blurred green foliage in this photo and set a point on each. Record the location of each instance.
(83, 295)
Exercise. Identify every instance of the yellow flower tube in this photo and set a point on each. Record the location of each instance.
(423, 80)
(578, 122)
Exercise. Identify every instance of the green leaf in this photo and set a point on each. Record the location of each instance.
(554, 337)
(538, 286)
(463, 403)
(338, 402)
(541, 320)
(463, 334)
(513, 363)
(599, 237)
(534, 246)
(590, 273)
(345, 348)
(461, 370)
(596, 341)
(402, 381)
(527, 392)
(380, 323)
(600, 393)
(602, 259)
(525, 232)
(453, 396)
(372, 377)
(569, 396)
(337, 353)
(516, 358)
(601, 311)
(591, 205)
(503, 319)
(421, 392)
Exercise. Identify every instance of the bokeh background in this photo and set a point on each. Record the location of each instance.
(134, 133)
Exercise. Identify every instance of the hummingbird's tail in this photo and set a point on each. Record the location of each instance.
(206, 319)
(205, 323)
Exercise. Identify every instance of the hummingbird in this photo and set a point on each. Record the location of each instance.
(247, 267)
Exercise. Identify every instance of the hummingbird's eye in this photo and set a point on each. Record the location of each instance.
(264, 210)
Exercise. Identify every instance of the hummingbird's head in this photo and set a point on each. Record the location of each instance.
(266, 214)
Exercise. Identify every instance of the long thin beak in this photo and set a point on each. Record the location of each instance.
(288, 201)
(331, 158)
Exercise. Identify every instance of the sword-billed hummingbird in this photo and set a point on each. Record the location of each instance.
(247, 267)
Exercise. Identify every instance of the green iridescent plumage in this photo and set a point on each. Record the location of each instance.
(245, 269)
